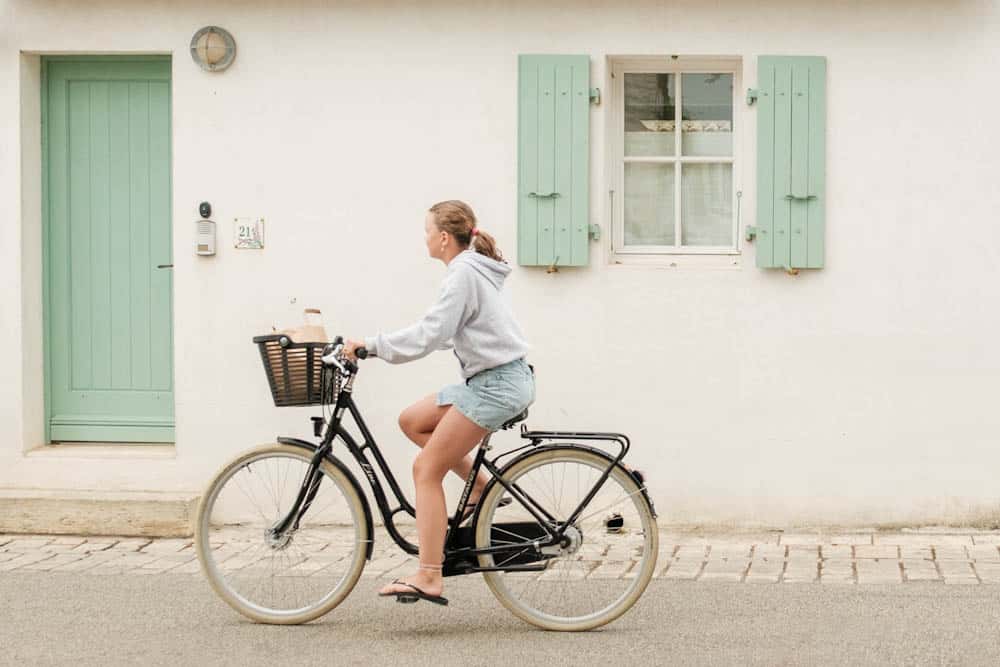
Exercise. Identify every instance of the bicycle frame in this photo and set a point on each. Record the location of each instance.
(457, 554)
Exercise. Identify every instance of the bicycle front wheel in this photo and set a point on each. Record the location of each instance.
(611, 552)
(282, 579)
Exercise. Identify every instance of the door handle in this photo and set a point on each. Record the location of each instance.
(549, 195)
(164, 266)
(799, 197)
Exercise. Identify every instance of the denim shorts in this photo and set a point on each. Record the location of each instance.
(491, 397)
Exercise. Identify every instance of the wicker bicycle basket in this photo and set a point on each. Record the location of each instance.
(296, 373)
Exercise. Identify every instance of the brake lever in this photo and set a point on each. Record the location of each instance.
(332, 360)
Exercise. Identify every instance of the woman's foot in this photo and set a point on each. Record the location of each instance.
(427, 578)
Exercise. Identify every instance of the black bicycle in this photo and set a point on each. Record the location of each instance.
(284, 530)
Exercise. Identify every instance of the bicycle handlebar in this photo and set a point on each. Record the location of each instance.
(332, 352)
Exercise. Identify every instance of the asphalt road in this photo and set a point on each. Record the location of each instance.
(66, 619)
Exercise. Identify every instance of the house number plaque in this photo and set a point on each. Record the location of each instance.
(248, 233)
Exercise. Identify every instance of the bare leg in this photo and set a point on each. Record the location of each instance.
(418, 423)
(453, 438)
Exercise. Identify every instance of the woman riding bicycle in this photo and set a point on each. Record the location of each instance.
(470, 317)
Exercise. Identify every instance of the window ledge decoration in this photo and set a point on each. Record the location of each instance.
(688, 125)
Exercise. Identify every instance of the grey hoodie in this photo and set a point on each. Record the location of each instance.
(469, 316)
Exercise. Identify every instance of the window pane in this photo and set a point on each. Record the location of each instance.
(649, 114)
(707, 114)
(707, 205)
(649, 204)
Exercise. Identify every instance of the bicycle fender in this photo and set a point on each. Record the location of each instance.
(599, 452)
(339, 465)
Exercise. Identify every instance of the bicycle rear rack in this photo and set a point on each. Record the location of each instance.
(536, 438)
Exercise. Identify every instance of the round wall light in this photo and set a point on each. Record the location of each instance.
(213, 48)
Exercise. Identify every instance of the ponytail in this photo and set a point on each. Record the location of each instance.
(485, 244)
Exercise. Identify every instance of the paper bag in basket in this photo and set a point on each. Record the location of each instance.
(311, 331)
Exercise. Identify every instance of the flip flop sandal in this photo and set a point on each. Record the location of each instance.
(470, 508)
(409, 598)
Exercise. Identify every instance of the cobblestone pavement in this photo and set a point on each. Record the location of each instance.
(942, 556)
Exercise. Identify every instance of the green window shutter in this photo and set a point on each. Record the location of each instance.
(553, 160)
(791, 158)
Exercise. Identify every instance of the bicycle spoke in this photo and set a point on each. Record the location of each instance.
(504, 530)
(252, 501)
(610, 505)
(512, 557)
(549, 493)
(268, 487)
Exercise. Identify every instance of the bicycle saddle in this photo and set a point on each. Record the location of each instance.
(519, 418)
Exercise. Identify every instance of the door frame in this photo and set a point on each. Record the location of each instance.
(45, 204)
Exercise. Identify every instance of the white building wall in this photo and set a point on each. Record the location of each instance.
(862, 392)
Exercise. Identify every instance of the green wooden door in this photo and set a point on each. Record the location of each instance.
(106, 133)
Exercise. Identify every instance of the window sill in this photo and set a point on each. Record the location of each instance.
(102, 450)
(664, 261)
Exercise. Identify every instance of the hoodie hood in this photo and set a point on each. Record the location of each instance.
(487, 267)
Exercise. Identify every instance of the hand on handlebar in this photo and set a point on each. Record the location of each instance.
(354, 349)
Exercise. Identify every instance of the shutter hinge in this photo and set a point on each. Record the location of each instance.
(595, 96)
(751, 232)
(595, 232)
(752, 95)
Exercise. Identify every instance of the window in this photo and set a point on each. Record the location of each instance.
(673, 156)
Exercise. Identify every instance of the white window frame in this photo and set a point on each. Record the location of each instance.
(618, 67)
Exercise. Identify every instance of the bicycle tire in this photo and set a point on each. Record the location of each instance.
(643, 571)
(210, 568)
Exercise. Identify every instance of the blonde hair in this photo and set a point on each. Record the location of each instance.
(456, 218)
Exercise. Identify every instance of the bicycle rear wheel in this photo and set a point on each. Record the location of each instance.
(286, 579)
(602, 572)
